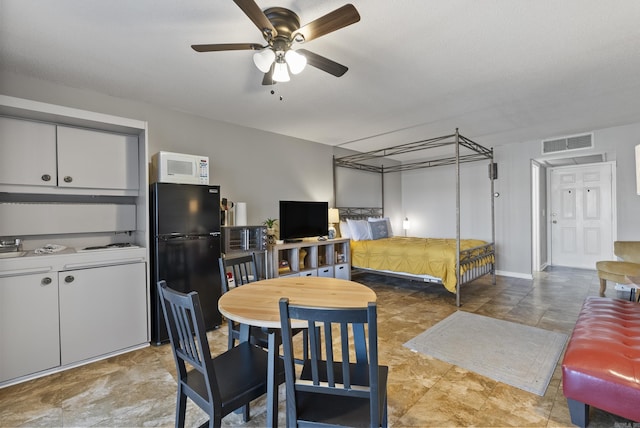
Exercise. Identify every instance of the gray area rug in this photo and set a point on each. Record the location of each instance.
(516, 354)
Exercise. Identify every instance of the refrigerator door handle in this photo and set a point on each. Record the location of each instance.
(215, 234)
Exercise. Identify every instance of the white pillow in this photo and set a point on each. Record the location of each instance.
(389, 230)
(344, 230)
(359, 230)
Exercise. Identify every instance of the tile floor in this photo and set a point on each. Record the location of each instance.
(138, 388)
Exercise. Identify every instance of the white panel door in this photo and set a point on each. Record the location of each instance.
(581, 215)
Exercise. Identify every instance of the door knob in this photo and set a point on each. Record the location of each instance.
(45, 177)
(46, 280)
(554, 221)
(68, 179)
(68, 278)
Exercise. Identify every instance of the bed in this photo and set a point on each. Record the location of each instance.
(451, 262)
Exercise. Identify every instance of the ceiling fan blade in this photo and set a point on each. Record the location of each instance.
(323, 63)
(255, 14)
(226, 47)
(339, 18)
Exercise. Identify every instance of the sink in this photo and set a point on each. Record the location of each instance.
(12, 254)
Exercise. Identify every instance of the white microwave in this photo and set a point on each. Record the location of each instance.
(167, 167)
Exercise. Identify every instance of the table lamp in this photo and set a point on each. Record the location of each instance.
(406, 225)
(334, 217)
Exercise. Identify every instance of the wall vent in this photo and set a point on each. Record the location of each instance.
(563, 144)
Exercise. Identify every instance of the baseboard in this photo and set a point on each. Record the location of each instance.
(514, 274)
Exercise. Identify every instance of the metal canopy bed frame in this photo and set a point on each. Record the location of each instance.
(464, 258)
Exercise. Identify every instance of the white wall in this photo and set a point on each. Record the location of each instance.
(429, 196)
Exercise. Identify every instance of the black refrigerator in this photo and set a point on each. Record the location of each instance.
(185, 247)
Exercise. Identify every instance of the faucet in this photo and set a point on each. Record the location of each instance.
(7, 246)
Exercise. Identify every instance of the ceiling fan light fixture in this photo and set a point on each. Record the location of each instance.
(280, 73)
(264, 59)
(296, 61)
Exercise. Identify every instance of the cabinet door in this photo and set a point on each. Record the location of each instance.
(342, 271)
(29, 340)
(102, 310)
(96, 159)
(326, 271)
(27, 152)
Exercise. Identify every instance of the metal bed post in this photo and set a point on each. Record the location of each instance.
(335, 192)
(458, 276)
(382, 188)
(493, 222)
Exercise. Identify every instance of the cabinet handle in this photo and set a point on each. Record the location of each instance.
(46, 280)
(68, 179)
(46, 177)
(68, 278)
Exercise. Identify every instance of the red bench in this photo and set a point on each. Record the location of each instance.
(601, 366)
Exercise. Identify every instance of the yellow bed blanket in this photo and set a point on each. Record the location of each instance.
(419, 256)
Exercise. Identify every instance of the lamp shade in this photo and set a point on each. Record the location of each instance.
(334, 216)
(264, 59)
(406, 224)
(280, 73)
(296, 61)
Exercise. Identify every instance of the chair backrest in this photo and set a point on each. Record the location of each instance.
(349, 367)
(628, 251)
(187, 333)
(243, 269)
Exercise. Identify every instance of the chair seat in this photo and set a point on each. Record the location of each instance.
(244, 365)
(335, 409)
(618, 269)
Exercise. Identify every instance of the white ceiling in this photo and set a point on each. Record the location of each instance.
(501, 70)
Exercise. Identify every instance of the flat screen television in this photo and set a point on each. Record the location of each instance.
(300, 219)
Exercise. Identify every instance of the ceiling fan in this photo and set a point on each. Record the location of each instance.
(281, 30)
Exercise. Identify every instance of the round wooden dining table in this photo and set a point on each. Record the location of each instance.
(257, 304)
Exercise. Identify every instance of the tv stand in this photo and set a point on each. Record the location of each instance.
(310, 257)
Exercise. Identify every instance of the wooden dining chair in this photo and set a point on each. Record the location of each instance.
(218, 385)
(243, 270)
(335, 390)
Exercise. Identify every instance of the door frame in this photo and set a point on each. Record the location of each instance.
(614, 207)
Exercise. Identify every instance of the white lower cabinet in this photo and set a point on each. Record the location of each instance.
(61, 317)
(29, 341)
(101, 310)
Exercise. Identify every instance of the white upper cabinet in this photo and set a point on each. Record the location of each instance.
(27, 152)
(96, 159)
(66, 158)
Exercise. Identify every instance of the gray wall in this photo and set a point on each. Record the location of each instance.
(251, 166)
(261, 168)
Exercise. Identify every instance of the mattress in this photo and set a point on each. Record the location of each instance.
(435, 257)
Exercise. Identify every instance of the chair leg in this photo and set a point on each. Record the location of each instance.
(181, 408)
(579, 413)
(603, 286)
(231, 343)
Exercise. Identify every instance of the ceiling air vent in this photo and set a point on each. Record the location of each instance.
(574, 142)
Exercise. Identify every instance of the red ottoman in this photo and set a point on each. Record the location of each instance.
(601, 366)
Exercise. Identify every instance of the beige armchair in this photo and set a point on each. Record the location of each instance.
(620, 271)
